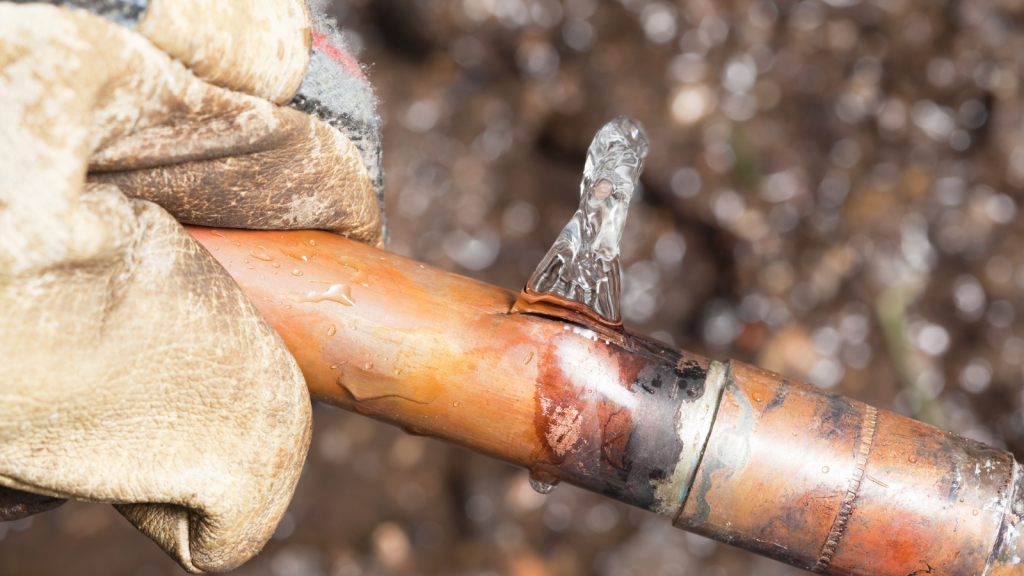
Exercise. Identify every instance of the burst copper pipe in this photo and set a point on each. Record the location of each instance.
(727, 450)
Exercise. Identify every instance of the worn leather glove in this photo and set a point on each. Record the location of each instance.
(132, 369)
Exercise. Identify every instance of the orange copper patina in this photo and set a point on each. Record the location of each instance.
(727, 450)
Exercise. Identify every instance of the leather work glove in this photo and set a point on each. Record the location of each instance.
(133, 370)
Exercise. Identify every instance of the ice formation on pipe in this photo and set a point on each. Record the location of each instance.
(583, 264)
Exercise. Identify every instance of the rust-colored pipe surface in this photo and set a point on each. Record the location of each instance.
(738, 454)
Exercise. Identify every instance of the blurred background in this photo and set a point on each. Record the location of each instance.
(832, 193)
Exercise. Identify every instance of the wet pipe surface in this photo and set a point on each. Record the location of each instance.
(442, 355)
(813, 479)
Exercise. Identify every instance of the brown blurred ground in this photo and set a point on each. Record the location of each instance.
(832, 193)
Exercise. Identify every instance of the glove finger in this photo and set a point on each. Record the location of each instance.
(259, 47)
(234, 160)
(215, 157)
(313, 178)
(170, 391)
(280, 50)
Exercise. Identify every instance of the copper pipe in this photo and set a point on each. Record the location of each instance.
(741, 455)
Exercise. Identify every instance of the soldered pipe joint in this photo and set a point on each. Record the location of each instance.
(835, 486)
(602, 419)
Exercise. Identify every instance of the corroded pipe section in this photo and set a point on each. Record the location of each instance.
(741, 455)
(607, 420)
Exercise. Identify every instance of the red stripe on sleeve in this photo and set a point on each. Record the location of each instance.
(347, 63)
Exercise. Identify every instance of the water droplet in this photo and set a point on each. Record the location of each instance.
(312, 242)
(251, 267)
(339, 293)
(456, 403)
(824, 469)
(297, 252)
(528, 358)
(334, 366)
(961, 499)
(296, 272)
(913, 459)
(331, 331)
(264, 257)
(542, 487)
(368, 366)
(246, 261)
(757, 398)
(275, 264)
(794, 433)
(975, 512)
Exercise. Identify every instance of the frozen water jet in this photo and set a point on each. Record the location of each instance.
(579, 278)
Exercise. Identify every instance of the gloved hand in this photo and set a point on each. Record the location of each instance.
(132, 368)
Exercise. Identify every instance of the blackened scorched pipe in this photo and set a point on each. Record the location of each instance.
(727, 450)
